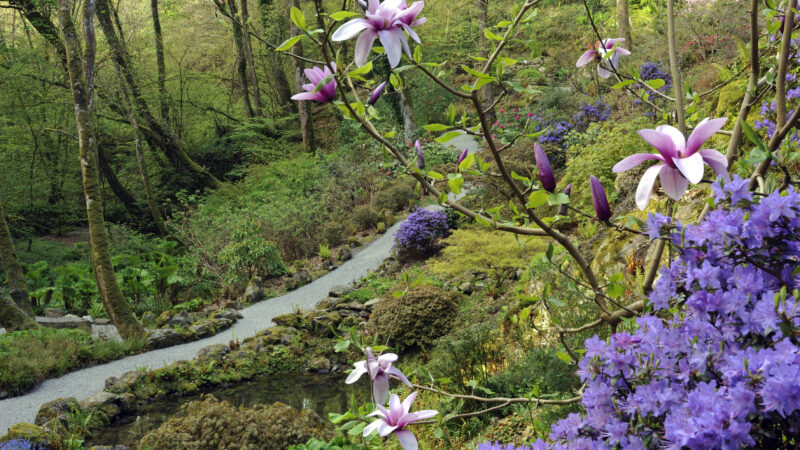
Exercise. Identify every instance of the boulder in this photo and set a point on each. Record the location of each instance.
(346, 254)
(148, 318)
(56, 412)
(53, 313)
(163, 337)
(467, 288)
(182, 319)
(102, 321)
(42, 437)
(164, 318)
(124, 383)
(340, 291)
(373, 302)
(229, 314)
(111, 405)
(255, 290)
(214, 351)
(106, 333)
(301, 278)
(319, 364)
(204, 328)
(68, 321)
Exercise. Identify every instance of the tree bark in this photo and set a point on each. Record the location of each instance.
(81, 75)
(43, 25)
(273, 25)
(158, 134)
(248, 53)
(241, 59)
(162, 71)
(487, 92)
(12, 318)
(122, 194)
(15, 276)
(409, 124)
(303, 107)
(624, 23)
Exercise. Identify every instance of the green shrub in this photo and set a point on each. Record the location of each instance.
(365, 218)
(437, 154)
(466, 353)
(415, 320)
(334, 232)
(209, 423)
(251, 252)
(396, 197)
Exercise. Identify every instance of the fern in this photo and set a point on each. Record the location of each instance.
(744, 51)
(723, 73)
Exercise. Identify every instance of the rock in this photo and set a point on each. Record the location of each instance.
(208, 327)
(255, 290)
(124, 383)
(346, 254)
(467, 288)
(102, 321)
(111, 405)
(340, 291)
(326, 303)
(391, 266)
(163, 337)
(2, 331)
(182, 319)
(53, 313)
(228, 314)
(319, 364)
(68, 321)
(56, 413)
(164, 318)
(327, 265)
(106, 333)
(214, 351)
(41, 436)
(324, 323)
(109, 447)
(148, 318)
(294, 320)
(355, 305)
(373, 302)
(301, 278)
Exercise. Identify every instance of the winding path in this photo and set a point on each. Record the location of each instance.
(84, 382)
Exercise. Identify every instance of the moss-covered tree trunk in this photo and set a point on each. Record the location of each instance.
(624, 23)
(15, 277)
(303, 107)
(12, 318)
(162, 71)
(241, 59)
(81, 75)
(273, 25)
(248, 54)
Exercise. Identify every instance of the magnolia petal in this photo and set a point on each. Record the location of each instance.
(380, 389)
(634, 160)
(673, 183)
(426, 414)
(395, 408)
(363, 46)
(315, 96)
(385, 429)
(393, 44)
(399, 375)
(350, 29)
(391, 5)
(703, 132)
(409, 401)
(360, 369)
(622, 51)
(691, 167)
(603, 72)
(373, 6)
(645, 187)
(609, 43)
(411, 33)
(677, 138)
(661, 142)
(420, 21)
(387, 358)
(599, 200)
(717, 161)
(407, 439)
(371, 427)
(586, 58)
(313, 76)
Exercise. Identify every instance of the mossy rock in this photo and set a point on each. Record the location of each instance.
(730, 97)
(56, 412)
(424, 314)
(164, 318)
(294, 320)
(40, 436)
(210, 423)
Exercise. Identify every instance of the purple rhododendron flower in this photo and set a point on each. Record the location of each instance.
(607, 65)
(316, 75)
(387, 21)
(545, 172)
(599, 199)
(379, 370)
(420, 231)
(396, 418)
(681, 160)
(376, 94)
(20, 444)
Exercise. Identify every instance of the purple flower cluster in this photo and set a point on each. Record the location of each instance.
(588, 113)
(768, 111)
(19, 444)
(721, 369)
(498, 446)
(555, 129)
(654, 71)
(419, 232)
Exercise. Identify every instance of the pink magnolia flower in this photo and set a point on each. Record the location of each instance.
(379, 370)
(388, 21)
(396, 418)
(604, 69)
(315, 75)
(463, 156)
(376, 94)
(680, 161)
(599, 199)
(543, 165)
(420, 156)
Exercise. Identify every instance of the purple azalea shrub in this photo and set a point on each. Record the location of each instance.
(498, 446)
(717, 362)
(654, 71)
(19, 444)
(421, 230)
(589, 113)
(768, 112)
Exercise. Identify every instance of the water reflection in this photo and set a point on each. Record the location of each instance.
(319, 393)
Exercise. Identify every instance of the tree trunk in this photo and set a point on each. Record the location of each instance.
(482, 6)
(158, 134)
(303, 107)
(81, 74)
(624, 23)
(409, 125)
(15, 276)
(43, 25)
(162, 71)
(12, 318)
(241, 59)
(273, 25)
(127, 199)
(248, 53)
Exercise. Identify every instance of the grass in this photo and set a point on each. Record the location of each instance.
(29, 357)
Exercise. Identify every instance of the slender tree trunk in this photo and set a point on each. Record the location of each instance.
(148, 191)
(127, 199)
(241, 59)
(162, 71)
(81, 74)
(303, 107)
(482, 6)
(15, 276)
(248, 53)
(624, 23)
(273, 25)
(409, 124)
(12, 317)
(158, 134)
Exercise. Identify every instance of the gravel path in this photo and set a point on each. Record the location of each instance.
(82, 383)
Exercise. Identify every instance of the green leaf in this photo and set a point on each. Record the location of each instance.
(616, 278)
(504, 23)
(341, 346)
(622, 84)
(516, 176)
(323, 82)
(491, 36)
(363, 70)
(356, 430)
(289, 43)
(455, 184)
(656, 83)
(435, 175)
(418, 54)
(467, 162)
(753, 136)
(436, 127)
(298, 18)
(564, 357)
(341, 15)
(537, 199)
(557, 199)
(447, 137)
(474, 72)
(614, 290)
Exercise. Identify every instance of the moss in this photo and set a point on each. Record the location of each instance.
(422, 315)
(33, 433)
(730, 97)
(210, 423)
